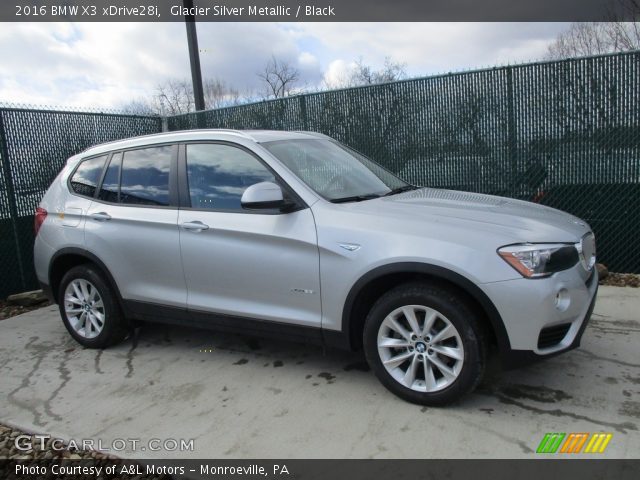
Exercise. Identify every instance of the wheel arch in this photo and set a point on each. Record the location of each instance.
(67, 258)
(372, 284)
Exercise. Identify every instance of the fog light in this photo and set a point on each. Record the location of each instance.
(562, 300)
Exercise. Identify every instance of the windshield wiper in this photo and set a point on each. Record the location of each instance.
(369, 196)
(355, 198)
(406, 188)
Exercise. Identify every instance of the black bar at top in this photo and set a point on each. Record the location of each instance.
(316, 10)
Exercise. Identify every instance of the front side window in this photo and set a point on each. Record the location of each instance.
(87, 175)
(219, 174)
(145, 176)
(334, 171)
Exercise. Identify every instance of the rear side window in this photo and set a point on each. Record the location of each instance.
(87, 175)
(111, 182)
(145, 176)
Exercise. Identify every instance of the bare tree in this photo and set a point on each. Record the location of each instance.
(218, 94)
(579, 40)
(141, 106)
(363, 74)
(360, 74)
(175, 97)
(594, 38)
(279, 77)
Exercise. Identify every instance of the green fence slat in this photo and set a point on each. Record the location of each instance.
(34, 145)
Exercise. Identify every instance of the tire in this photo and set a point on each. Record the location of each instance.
(91, 323)
(410, 358)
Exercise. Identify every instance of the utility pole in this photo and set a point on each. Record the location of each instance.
(194, 55)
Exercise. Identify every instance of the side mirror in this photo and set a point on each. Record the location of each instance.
(263, 195)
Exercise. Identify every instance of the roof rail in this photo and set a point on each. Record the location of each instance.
(242, 133)
(172, 132)
(313, 134)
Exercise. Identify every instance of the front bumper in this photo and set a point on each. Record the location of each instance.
(527, 307)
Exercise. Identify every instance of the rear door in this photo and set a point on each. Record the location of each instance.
(237, 262)
(132, 226)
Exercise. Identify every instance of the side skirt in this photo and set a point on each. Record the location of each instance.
(154, 313)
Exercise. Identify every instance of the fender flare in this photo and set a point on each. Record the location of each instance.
(435, 271)
(90, 257)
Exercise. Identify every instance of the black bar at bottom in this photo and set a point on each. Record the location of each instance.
(560, 467)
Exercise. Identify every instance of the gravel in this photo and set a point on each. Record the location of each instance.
(8, 310)
(48, 456)
(621, 280)
(9, 450)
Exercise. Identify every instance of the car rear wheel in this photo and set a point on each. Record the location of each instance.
(89, 309)
(425, 344)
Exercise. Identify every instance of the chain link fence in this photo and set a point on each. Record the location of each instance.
(34, 145)
(565, 134)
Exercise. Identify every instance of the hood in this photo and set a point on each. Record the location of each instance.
(521, 221)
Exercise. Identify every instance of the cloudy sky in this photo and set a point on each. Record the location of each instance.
(110, 64)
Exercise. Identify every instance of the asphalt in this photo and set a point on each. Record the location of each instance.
(251, 398)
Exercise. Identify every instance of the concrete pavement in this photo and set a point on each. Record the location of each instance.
(243, 398)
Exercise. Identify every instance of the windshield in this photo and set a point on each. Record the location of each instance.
(334, 171)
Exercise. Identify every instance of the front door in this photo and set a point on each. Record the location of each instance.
(238, 262)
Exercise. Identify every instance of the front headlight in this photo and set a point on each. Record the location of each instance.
(539, 260)
(587, 251)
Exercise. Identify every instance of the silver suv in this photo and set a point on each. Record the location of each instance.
(291, 234)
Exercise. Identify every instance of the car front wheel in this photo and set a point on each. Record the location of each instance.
(425, 344)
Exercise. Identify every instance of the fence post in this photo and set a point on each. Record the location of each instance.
(200, 119)
(512, 138)
(13, 206)
(303, 112)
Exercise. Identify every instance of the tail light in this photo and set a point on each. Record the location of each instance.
(38, 220)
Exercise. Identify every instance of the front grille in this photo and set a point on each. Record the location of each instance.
(551, 336)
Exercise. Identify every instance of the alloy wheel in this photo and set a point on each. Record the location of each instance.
(420, 348)
(84, 308)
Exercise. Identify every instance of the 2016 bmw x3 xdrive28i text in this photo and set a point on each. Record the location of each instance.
(292, 234)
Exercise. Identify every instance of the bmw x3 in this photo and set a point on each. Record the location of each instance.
(294, 235)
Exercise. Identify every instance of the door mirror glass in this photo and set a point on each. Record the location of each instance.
(263, 195)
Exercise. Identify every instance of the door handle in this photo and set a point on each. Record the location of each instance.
(100, 216)
(195, 226)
